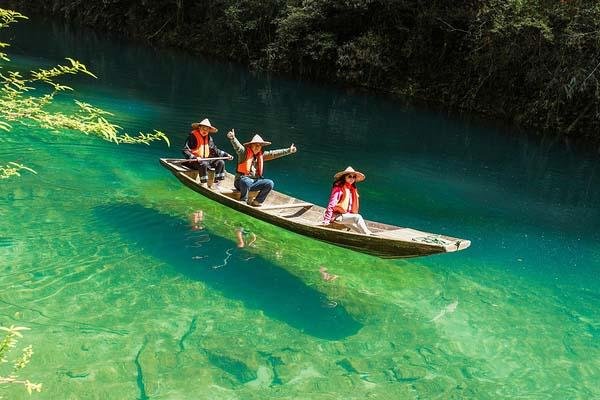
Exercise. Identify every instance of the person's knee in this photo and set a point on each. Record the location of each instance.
(269, 184)
(245, 183)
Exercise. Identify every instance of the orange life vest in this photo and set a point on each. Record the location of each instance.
(245, 167)
(202, 148)
(342, 206)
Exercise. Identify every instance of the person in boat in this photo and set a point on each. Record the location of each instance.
(200, 145)
(343, 201)
(249, 176)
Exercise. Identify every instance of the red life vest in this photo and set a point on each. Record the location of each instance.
(342, 206)
(245, 167)
(202, 148)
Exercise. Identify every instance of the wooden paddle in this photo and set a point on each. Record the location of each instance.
(182, 160)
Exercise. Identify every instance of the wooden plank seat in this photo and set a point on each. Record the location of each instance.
(284, 206)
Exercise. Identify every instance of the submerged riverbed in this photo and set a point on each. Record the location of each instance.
(127, 298)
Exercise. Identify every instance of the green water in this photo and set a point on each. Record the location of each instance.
(125, 300)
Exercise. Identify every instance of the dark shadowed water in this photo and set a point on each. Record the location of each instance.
(126, 299)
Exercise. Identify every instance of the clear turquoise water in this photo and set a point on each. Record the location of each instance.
(126, 300)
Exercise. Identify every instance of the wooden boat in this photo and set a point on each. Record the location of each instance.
(298, 216)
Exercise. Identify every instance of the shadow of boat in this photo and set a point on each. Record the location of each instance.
(217, 262)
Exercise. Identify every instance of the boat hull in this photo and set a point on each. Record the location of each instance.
(304, 218)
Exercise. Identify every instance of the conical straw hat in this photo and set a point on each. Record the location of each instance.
(257, 139)
(204, 122)
(349, 170)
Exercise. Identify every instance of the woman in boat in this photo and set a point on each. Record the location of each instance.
(199, 145)
(249, 176)
(343, 201)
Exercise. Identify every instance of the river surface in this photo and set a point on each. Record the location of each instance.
(126, 298)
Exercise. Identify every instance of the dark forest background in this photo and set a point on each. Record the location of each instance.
(532, 62)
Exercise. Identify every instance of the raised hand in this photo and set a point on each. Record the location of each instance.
(293, 148)
(231, 134)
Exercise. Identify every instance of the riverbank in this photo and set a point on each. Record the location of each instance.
(534, 67)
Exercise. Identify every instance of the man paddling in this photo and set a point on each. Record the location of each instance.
(251, 158)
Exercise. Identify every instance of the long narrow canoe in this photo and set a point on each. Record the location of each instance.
(305, 218)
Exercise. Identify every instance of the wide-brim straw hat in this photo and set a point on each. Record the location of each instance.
(349, 170)
(258, 140)
(204, 122)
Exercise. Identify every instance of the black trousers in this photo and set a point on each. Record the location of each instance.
(204, 166)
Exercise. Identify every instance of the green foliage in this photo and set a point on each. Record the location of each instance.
(540, 59)
(516, 17)
(9, 370)
(365, 60)
(8, 17)
(20, 104)
(535, 61)
(250, 26)
(298, 36)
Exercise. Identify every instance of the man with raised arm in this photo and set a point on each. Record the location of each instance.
(250, 168)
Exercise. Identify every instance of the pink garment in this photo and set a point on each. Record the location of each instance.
(334, 198)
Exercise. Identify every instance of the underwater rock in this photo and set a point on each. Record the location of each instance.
(347, 365)
(236, 368)
(77, 375)
(264, 377)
